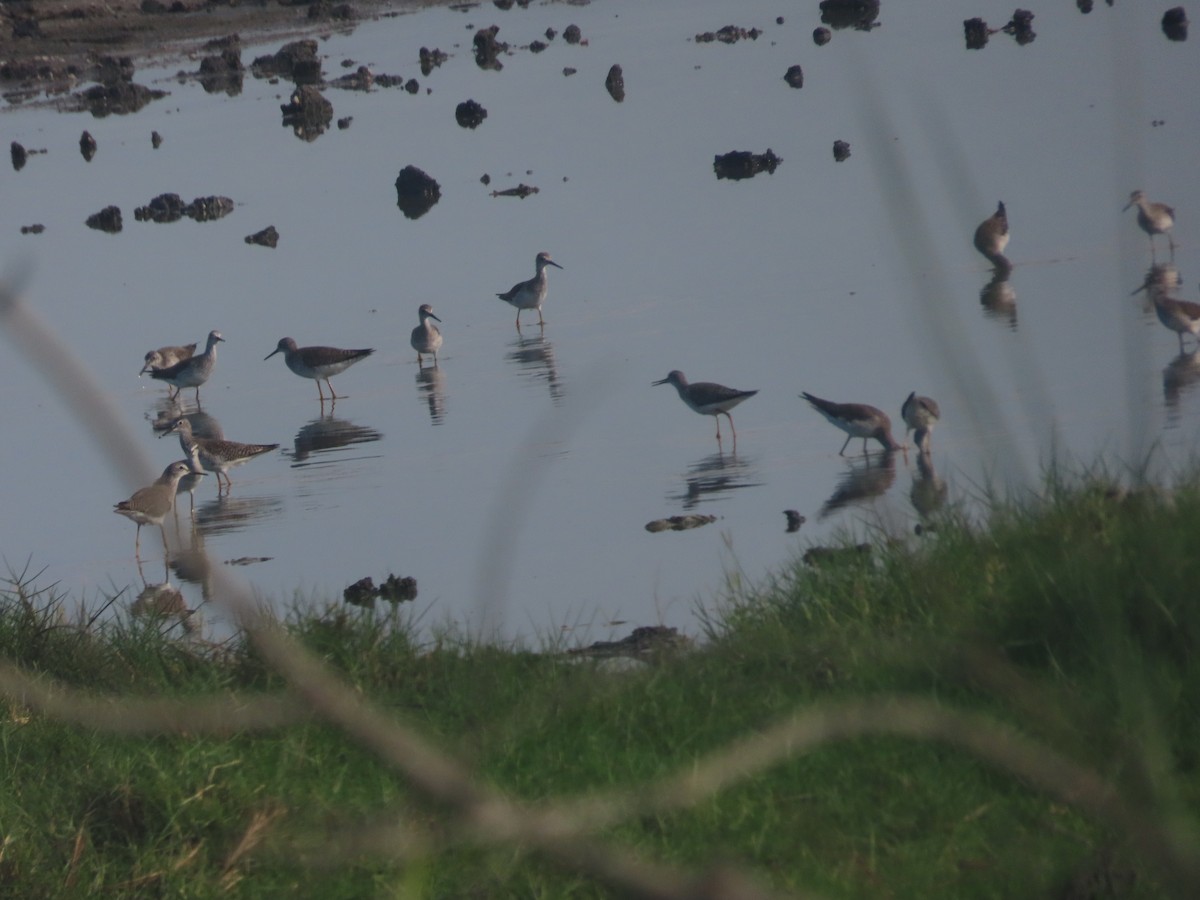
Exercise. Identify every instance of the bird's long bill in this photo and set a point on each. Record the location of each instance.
(551, 262)
(272, 353)
(660, 381)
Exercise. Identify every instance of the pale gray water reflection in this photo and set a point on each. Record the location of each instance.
(865, 479)
(521, 512)
(713, 476)
(326, 434)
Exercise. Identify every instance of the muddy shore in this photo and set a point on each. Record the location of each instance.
(48, 44)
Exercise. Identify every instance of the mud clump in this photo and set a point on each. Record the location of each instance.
(117, 98)
(308, 113)
(738, 164)
(223, 72)
(268, 237)
(730, 34)
(679, 523)
(572, 34)
(794, 76)
(1021, 27)
(416, 192)
(1175, 24)
(821, 36)
(394, 590)
(171, 208)
(155, 140)
(794, 520)
(841, 151)
(615, 83)
(860, 15)
(488, 49)
(469, 114)
(976, 32)
(431, 59)
(19, 156)
(108, 219)
(297, 61)
(87, 146)
(521, 191)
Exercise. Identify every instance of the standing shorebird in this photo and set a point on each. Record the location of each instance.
(165, 357)
(150, 505)
(318, 363)
(991, 237)
(1153, 218)
(192, 371)
(215, 454)
(920, 414)
(857, 420)
(707, 398)
(1181, 316)
(426, 338)
(530, 294)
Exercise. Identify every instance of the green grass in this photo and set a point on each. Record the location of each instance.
(1072, 620)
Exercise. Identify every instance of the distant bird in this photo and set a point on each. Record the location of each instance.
(1153, 218)
(215, 454)
(707, 398)
(530, 294)
(318, 363)
(426, 338)
(920, 414)
(165, 357)
(150, 505)
(991, 237)
(194, 370)
(857, 420)
(1181, 316)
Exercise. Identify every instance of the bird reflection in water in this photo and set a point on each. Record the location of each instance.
(997, 297)
(1161, 278)
(164, 604)
(431, 386)
(865, 478)
(929, 492)
(329, 433)
(1177, 377)
(203, 424)
(227, 514)
(714, 475)
(534, 357)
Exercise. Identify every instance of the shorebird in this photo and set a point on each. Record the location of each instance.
(150, 505)
(318, 363)
(165, 357)
(920, 414)
(991, 237)
(1181, 316)
(1153, 218)
(217, 455)
(857, 420)
(193, 371)
(426, 338)
(530, 294)
(707, 398)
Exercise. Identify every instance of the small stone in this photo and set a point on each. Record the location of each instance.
(841, 151)
(794, 77)
(821, 36)
(87, 145)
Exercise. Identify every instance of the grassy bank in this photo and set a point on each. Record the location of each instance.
(1009, 711)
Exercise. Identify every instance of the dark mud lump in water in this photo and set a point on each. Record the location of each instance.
(841, 151)
(416, 192)
(976, 32)
(794, 76)
(821, 36)
(87, 145)
(857, 14)
(1175, 24)
(108, 219)
(469, 114)
(615, 83)
(739, 164)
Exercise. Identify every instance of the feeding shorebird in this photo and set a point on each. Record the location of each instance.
(150, 505)
(1153, 218)
(857, 420)
(530, 294)
(707, 398)
(215, 454)
(991, 237)
(426, 338)
(194, 370)
(920, 414)
(164, 358)
(318, 363)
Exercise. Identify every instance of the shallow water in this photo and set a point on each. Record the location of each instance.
(514, 480)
